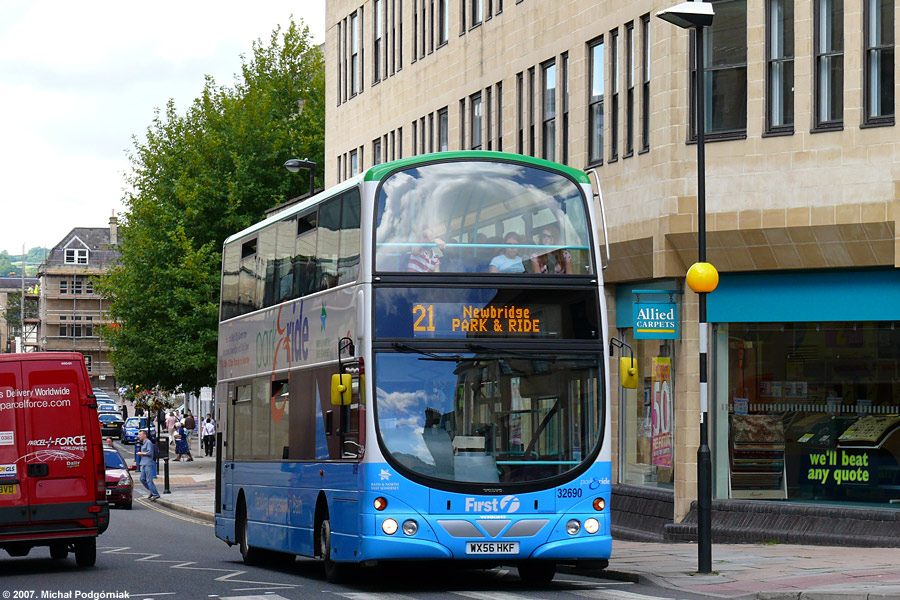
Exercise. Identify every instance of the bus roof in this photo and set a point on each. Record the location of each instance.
(378, 172)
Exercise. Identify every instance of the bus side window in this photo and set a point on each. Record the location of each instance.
(305, 255)
(348, 262)
(231, 269)
(328, 244)
(247, 299)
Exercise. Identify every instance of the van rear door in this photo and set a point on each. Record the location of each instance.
(60, 460)
(13, 494)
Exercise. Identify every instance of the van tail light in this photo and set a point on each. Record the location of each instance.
(100, 473)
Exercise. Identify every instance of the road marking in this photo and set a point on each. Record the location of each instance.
(171, 513)
(615, 595)
(230, 574)
(372, 596)
(256, 597)
(492, 595)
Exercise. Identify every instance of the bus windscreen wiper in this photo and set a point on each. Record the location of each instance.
(406, 348)
(531, 355)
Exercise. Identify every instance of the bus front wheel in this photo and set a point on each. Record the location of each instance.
(537, 572)
(252, 556)
(334, 571)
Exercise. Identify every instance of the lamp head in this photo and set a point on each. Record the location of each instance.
(294, 165)
(688, 15)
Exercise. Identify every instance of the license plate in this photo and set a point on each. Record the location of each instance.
(8, 488)
(492, 547)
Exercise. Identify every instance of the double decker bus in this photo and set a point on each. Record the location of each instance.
(411, 367)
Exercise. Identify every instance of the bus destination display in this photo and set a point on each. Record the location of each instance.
(467, 318)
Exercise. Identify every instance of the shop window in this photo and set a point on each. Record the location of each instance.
(813, 411)
(647, 416)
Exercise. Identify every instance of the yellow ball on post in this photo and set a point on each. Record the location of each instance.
(702, 277)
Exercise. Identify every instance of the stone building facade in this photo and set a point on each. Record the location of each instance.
(803, 198)
(72, 310)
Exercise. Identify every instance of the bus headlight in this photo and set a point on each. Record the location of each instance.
(389, 526)
(599, 504)
(573, 527)
(380, 503)
(592, 525)
(410, 527)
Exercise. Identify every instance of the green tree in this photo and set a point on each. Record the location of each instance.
(195, 180)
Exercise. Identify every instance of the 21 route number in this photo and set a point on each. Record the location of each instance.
(420, 312)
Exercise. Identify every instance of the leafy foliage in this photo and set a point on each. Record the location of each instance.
(197, 179)
(11, 264)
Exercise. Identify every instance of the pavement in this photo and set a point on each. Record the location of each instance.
(742, 571)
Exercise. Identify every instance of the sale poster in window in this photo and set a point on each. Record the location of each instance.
(662, 412)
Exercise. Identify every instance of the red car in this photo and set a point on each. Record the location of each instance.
(119, 484)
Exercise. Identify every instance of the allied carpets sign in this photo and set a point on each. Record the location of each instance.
(655, 320)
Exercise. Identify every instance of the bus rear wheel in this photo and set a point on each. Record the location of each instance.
(334, 571)
(537, 572)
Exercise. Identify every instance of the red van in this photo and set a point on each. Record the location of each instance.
(52, 473)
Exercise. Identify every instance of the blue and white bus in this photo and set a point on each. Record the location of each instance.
(412, 367)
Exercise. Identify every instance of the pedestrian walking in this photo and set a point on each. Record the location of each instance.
(171, 420)
(189, 424)
(182, 448)
(145, 462)
(209, 435)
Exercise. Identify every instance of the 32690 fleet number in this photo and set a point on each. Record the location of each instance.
(568, 492)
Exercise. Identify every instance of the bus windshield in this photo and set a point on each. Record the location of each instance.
(481, 217)
(487, 416)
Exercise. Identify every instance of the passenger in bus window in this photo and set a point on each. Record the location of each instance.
(509, 261)
(547, 260)
(427, 257)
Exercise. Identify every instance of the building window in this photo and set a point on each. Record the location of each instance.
(531, 140)
(376, 151)
(564, 96)
(520, 119)
(354, 55)
(89, 327)
(376, 46)
(340, 69)
(462, 124)
(829, 71)
(415, 32)
(477, 9)
(548, 126)
(354, 163)
(399, 142)
(399, 36)
(339, 178)
(488, 106)
(423, 27)
(415, 137)
(443, 22)
(595, 104)
(422, 135)
(63, 327)
(462, 16)
(475, 120)
(64, 286)
(431, 132)
(77, 286)
(780, 66)
(430, 26)
(77, 256)
(629, 89)
(879, 32)
(88, 362)
(725, 65)
(499, 96)
(614, 91)
(443, 129)
(645, 83)
(88, 287)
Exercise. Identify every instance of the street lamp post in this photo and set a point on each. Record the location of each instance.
(294, 165)
(702, 276)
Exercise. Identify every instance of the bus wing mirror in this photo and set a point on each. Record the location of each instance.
(340, 389)
(628, 372)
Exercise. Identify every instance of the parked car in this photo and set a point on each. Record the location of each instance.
(131, 428)
(119, 484)
(59, 500)
(111, 424)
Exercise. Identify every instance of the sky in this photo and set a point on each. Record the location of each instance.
(80, 80)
